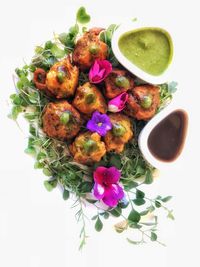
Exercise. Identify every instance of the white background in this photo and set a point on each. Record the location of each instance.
(37, 228)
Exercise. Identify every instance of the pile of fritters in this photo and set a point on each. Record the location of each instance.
(65, 117)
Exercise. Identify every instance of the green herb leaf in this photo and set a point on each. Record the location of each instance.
(47, 172)
(133, 242)
(82, 16)
(166, 199)
(98, 225)
(139, 201)
(57, 52)
(134, 216)
(153, 236)
(65, 194)
(116, 212)
(86, 187)
(106, 215)
(157, 204)
(38, 165)
(148, 177)
(140, 194)
(50, 184)
(170, 215)
(15, 112)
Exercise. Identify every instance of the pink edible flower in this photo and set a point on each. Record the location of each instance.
(118, 103)
(106, 187)
(99, 71)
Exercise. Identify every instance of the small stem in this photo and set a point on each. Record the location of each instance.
(130, 201)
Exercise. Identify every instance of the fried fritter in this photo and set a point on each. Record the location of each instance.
(117, 82)
(61, 120)
(120, 134)
(89, 48)
(143, 102)
(88, 148)
(62, 79)
(88, 98)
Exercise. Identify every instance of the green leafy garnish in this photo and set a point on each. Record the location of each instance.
(82, 16)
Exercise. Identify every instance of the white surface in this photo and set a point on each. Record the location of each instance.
(37, 228)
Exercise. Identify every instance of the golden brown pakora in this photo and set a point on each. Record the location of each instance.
(143, 102)
(62, 79)
(61, 120)
(88, 99)
(117, 82)
(88, 148)
(89, 48)
(120, 134)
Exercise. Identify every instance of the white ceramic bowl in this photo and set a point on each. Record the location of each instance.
(144, 135)
(130, 26)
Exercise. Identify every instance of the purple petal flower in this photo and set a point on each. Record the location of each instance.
(99, 71)
(112, 195)
(99, 123)
(98, 191)
(118, 103)
(106, 185)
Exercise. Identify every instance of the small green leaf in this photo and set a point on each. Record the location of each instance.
(48, 45)
(166, 199)
(81, 16)
(143, 213)
(86, 187)
(133, 242)
(94, 217)
(15, 112)
(41, 156)
(57, 52)
(32, 130)
(157, 204)
(134, 216)
(65, 194)
(170, 215)
(47, 172)
(38, 165)
(129, 185)
(153, 236)
(148, 177)
(98, 225)
(30, 150)
(139, 201)
(92, 201)
(50, 185)
(106, 215)
(116, 212)
(140, 194)
(134, 225)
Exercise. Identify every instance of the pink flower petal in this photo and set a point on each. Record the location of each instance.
(112, 195)
(118, 103)
(112, 175)
(98, 191)
(99, 174)
(95, 68)
(99, 71)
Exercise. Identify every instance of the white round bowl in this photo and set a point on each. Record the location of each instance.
(131, 26)
(145, 133)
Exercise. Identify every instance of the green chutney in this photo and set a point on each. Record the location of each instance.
(150, 49)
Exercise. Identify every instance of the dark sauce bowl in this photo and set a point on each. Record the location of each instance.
(163, 138)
